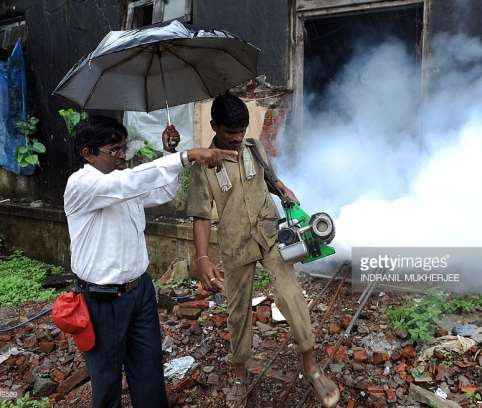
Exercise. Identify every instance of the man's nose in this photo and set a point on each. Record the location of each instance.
(122, 154)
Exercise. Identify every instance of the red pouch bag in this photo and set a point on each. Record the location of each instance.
(71, 315)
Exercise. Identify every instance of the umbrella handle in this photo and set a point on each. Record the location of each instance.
(171, 142)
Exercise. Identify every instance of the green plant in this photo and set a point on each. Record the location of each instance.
(474, 397)
(448, 358)
(418, 318)
(464, 304)
(25, 402)
(202, 319)
(147, 150)
(21, 279)
(185, 179)
(221, 308)
(262, 281)
(27, 154)
(72, 119)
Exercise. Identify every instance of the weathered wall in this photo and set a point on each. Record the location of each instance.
(42, 234)
(265, 23)
(60, 32)
(456, 16)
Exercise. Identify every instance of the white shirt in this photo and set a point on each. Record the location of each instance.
(105, 215)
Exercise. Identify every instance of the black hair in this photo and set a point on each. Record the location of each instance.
(230, 111)
(98, 131)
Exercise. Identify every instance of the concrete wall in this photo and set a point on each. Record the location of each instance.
(265, 23)
(59, 33)
(42, 234)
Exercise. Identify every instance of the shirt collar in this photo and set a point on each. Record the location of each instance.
(244, 143)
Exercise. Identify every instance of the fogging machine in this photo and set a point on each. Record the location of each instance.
(301, 237)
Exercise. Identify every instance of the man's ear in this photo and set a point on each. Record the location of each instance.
(87, 154)
(214, 126)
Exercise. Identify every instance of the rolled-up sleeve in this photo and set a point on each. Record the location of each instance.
(200, 198)
(94, 190)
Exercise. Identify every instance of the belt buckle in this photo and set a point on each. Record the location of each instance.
(131, 284)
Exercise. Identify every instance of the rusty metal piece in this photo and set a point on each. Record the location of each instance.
(283, 344)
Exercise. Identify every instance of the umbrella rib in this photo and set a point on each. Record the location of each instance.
(192, 66)
(215, 49)
(108, 69)
(145, 81)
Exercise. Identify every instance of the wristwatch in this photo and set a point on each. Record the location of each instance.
(185, 159)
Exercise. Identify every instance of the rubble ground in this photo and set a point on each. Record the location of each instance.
(375, 367)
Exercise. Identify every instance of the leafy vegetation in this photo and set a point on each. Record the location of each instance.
(72, 119)
(262, 281)
(185, 179)
(27, 154)
(147, 151)
(21, 279)
(474, 397)
(418, 318)
(25, 402)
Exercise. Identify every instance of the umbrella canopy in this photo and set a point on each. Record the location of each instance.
(146, 69)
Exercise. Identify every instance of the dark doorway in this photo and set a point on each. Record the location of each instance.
(330, 42)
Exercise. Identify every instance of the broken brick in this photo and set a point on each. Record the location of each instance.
(345, 321)
(46, 346)
(57, 375)
(225, 335)
(340, 354)
(218, 320)
(195, 304)
(187, 313)
(333, 328)
(379, 357)
(201, 293)
(263, 314)
(409, 352)
(76, 378)
(377, 392)
(360, 356)
(6, 337)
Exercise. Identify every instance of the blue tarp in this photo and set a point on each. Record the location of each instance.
(13, 107)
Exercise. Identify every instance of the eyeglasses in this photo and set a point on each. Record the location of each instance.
(115, 152)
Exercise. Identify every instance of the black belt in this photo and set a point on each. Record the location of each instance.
(120, 288)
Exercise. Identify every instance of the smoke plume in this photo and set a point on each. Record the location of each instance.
(392, 167)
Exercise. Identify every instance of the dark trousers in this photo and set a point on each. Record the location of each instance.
(127, 334)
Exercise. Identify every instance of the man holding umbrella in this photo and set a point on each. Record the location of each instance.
(104, 203)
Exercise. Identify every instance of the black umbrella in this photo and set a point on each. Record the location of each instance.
(158, 67)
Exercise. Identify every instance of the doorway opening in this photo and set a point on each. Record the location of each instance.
(330, 41)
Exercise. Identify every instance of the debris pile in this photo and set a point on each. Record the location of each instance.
(376, 366)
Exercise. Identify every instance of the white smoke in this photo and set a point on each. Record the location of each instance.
(392, 168)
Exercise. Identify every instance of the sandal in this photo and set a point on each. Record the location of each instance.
(325, 390)
(236, 398)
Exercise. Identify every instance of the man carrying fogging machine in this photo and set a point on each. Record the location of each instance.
(247, 231)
